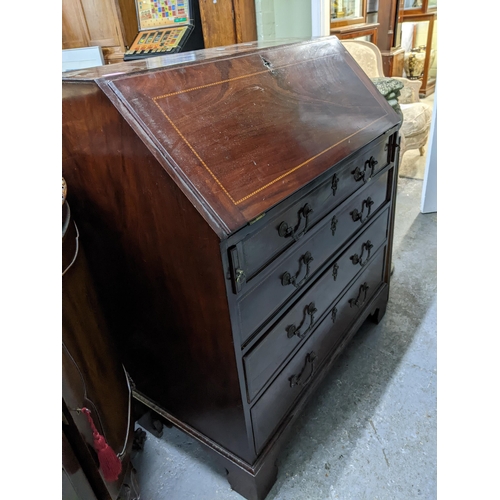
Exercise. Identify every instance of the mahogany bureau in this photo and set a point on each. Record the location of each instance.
(238, 208)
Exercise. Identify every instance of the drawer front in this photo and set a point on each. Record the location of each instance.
(293, 270)
(288, 227)
(298, 322)
(275, 403)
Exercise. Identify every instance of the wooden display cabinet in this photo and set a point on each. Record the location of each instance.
(390, 16)
(347, 12)
(419, 24)
(348, 20)
(411, 7)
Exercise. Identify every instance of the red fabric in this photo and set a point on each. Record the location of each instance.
(110, 464)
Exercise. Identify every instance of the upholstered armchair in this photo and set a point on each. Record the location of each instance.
(416, 114)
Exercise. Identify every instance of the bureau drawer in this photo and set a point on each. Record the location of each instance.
(294, 222)
(294, 269)
(274, 404)
(300, 319)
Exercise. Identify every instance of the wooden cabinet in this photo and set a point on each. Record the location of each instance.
(412, 7)
(109, 24)
(243, 219)
(348, 20)
(419, 39)
(421, 49)
(390, 16)
(228, 22)
(92, 377)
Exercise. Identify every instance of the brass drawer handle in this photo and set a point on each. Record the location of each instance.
(335, 271)
(357, 215)
(284, 230)
(358, 174)
(292, 330)
(363, 289)
(240, 276)
(333, 225)
(334, 314)
(358, 259)
(335, 184)
(296, 379)
(288, 279)
(361, 174)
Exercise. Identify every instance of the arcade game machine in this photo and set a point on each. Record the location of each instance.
(166, 27)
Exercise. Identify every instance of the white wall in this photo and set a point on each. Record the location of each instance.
(264, 12)
(291, 18)
(429, 188)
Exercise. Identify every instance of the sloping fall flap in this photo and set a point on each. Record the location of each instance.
(245, 132)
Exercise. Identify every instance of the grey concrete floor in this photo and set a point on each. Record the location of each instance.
(369, 432)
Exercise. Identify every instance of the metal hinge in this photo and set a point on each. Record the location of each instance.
(253, 221)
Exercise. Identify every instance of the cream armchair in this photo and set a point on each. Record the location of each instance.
(416, 114)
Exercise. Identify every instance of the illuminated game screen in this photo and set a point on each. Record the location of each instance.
(157, 42)
(161, 13)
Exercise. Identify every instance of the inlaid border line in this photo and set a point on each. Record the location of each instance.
(155, 99)
(195, 153)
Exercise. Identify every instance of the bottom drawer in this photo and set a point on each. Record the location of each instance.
(270, 409)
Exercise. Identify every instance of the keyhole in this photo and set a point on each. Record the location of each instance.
(266, 63)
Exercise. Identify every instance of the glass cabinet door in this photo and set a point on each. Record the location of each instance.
(422, 6)
(413, 4)
(419, 40)
(343, 12)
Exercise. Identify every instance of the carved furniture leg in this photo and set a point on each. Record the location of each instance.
(379, 313)
(139, 440)
(130, 488)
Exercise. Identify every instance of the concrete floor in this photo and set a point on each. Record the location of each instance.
(370, 430)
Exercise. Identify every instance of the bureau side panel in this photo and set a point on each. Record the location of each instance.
(157, 268)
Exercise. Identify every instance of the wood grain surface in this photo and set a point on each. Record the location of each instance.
(212, 121)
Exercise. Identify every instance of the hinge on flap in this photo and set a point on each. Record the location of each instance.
(253, 221)
(238, 276)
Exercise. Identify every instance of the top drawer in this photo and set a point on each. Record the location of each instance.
(286, 226)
